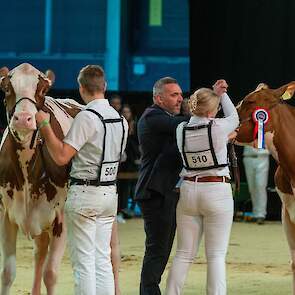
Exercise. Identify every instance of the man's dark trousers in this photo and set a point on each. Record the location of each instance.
(159, 213)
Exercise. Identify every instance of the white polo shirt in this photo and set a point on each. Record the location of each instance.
(221, 128)
(86, 137)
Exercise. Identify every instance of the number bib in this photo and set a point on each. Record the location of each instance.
(109, 172)
(200, 159)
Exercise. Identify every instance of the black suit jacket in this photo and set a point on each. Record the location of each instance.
(160, 159)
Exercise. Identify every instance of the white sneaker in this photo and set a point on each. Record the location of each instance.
(120, 218)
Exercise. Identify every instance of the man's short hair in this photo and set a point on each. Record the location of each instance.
(158, 86)
(92, 79)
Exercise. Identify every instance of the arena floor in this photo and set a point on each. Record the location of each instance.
(258, 262)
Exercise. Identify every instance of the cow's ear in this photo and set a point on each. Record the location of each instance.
(261, 86)
(4, 72)
(252, 97)
(289, 90)
(51, 76)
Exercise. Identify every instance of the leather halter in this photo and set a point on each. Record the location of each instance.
(250, 117)
(10, 114)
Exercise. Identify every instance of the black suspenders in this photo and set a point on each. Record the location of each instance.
(104, 122)
(211, 143)
(211, 148)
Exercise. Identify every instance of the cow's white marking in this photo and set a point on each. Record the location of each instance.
(24, 81)
(64, 119)
(270, 145)
(289, 202)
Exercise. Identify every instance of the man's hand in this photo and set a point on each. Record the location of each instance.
(232, 136)
(220, 87)
(42, 116)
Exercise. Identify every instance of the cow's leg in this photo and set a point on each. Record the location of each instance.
(8, 251)
(288, 220)
(40, 253)
(56, 250)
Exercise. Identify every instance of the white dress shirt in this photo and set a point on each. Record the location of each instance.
(86, 136)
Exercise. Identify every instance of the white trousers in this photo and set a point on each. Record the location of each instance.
(202, 208)
(256, 169)
(90, 213)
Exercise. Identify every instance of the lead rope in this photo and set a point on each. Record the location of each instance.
(235, 167)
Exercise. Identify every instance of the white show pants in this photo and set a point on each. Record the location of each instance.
(202, 208)
(256, 169)
(90, 213)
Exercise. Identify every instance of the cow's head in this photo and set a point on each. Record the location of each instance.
(25, 88)
(262, 97)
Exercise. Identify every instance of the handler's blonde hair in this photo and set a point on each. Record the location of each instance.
(203, 101)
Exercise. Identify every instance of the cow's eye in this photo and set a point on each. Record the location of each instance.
(7, 90)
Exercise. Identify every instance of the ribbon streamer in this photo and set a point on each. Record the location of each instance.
(260, 117)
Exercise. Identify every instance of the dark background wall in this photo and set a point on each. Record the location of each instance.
(76, 36)
(245, 42)
(160, 50)
(66, 35)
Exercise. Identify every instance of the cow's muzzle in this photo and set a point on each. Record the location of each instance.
(23, 120)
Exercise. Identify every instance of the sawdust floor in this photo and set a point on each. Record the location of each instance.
(257, 262)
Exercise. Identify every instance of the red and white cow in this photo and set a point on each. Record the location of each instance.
(280, 140)
(32, 186)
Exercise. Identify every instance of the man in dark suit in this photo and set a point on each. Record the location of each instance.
(159, 172)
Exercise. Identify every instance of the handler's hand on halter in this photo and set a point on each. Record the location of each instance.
(42, 116)
(220, 87)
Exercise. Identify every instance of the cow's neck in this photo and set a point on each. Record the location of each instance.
(25, 156)
(283, 121)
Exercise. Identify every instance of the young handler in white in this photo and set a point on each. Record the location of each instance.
(206, 203)
(95, 141)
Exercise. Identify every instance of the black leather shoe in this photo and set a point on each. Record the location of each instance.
(260, 220)
(127, 213)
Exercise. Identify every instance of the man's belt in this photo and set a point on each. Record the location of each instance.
(76, 181)
(207, 179)
(91, 182)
